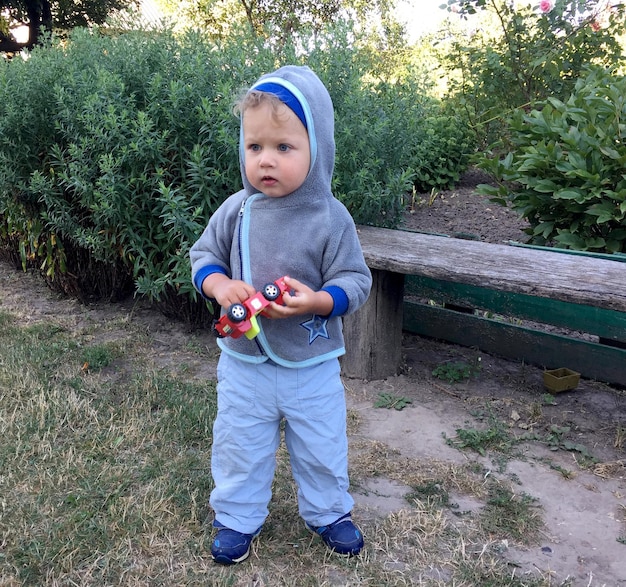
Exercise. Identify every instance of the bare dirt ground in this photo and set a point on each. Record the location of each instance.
(575, 467)
(463, 213)
(585, 513)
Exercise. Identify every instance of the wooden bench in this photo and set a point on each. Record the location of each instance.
(572, 291)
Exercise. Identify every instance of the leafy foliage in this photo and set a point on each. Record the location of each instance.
(66, 14)
(118, 156)
(496, 437)
(115, 150)
(276, 21)
(455, 371)
(517, 55)
(391, 136)
(565, 173)
(389, 400)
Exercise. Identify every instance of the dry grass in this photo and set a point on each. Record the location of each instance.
(104, 480)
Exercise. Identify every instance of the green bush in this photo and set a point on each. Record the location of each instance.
(116, 150)
(515, 54)
(390, 140)
(26, 136)
(391, 136)
(139, 147)
(566, 172)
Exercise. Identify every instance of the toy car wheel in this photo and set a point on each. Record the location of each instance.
(237, 313)
(271, 292)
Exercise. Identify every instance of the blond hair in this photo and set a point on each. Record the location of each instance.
(254, 99)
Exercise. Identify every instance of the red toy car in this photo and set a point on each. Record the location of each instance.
(242, 318)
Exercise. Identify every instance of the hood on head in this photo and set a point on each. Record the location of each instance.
(315, 105)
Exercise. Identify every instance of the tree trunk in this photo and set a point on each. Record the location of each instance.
(33, 10)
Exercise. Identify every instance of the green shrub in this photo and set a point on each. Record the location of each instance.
(142, 148)
(26, 136)
(116, 150)
(566, 172)
(515, 54)
(371, 175)
(391, 136)
(442, 150)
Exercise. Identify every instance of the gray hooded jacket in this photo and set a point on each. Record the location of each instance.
(308, 235)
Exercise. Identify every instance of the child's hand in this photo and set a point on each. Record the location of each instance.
(303, 301)
(227, 291)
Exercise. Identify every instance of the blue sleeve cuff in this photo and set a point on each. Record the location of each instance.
(203, 273)
(340, 300)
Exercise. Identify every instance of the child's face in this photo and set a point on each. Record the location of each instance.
(276, 150)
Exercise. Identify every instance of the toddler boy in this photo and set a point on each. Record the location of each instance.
(285, 221)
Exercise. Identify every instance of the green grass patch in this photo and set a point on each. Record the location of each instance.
(495, 436)
(456, 371)
(105, 478)
(510, 515)
(97, 469)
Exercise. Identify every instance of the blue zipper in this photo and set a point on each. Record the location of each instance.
(244, 260)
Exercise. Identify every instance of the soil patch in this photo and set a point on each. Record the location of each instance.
(463, 213)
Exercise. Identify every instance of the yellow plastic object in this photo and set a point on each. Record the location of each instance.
(254, 329)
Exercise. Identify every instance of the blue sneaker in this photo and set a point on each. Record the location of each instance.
(229, 546)
(342, 536)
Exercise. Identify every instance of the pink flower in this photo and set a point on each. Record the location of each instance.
(546, 5)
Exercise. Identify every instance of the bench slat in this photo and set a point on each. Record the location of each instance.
(595, 285)
(518, 343)
(569, 278)
(607, 324)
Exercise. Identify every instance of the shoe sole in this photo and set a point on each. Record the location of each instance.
(222, 559)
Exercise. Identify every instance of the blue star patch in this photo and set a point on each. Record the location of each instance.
(316, 327)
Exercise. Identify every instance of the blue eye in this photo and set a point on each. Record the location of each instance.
(254, 147)
(283, 147)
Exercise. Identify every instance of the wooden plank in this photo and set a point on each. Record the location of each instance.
(607, 324)
(373, 334)
(594, 361)
(542, 273)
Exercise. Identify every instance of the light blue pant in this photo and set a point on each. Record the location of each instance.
(252, 401)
